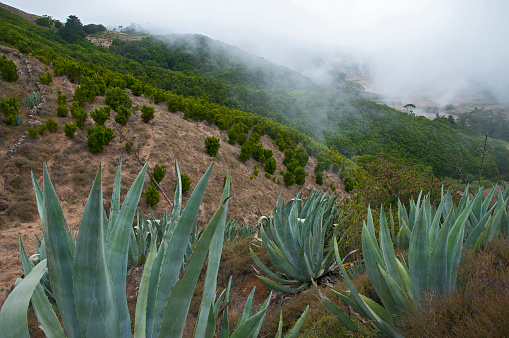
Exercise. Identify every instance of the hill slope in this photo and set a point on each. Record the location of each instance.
(72, 167)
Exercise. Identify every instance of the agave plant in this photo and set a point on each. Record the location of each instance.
(32, 100)
(234, 230)
(485, 215)
(88, 276)
(295, 236)
(434, 253)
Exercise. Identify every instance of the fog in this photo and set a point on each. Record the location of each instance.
(438, 49)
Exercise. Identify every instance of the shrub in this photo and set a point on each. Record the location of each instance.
(300, 175)
(100, 115)
(52, 125)
(289, 178)
(147, 113)
(46, 79)
(116, 97)
(158, 173)
(79, 114)
(70, 129)
(62, 110)
(123, 115)
(32, 132)
(152, 196)
(41, 129)
(212, 145)
(43, 21)
(128, 145)
(98, 138)
(8, 70)
(61, 99)
(268, 175)
(186, 183)
(319, 178)
(245, 152)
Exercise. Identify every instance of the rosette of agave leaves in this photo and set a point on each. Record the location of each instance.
(436, 238)
(296, 235)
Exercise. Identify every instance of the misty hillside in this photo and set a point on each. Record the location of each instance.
(313, 189)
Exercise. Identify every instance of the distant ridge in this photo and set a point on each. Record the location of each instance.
(20, 13)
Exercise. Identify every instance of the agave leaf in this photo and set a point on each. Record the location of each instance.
(175, 250)
(44, 311)
(251, 327)
(418, 257)
(225, 325)
(394, 297)
(247, 308)
(454, 244)
(381, 324)
(216, 247)
(271, 274)
(115, 197)
(94, 296)
(13, 316)
(270, 284)
(140, 326)
(350, 302)
(372, 258)
(298, 324)
(387, 249)
(341, 316)
(379, 310)
(177, 305)
(38, 195)
(60, 250)
(437, 267)
(118, 247)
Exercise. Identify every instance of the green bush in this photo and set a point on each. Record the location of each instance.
(319, 178)
(158, 173)
(8, 70)
(186, 182)
(98, 138)
(128, 145)
(61, 99)
(147, 113)
(46, 79)
(41, 129)
(52, 125)
(123, 115)
(116, 97)
(152, 196)
(289, 178)
(62, 110)
(300, 175)
(212, 146)
(32, 132)
(79, 114)
(43, 21)
(70, 129)
(100, 115)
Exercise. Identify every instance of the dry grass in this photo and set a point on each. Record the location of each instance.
(478, 308)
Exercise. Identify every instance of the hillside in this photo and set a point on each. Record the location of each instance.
(72, 166)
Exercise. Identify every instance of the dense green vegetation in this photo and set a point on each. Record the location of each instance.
(487, 121)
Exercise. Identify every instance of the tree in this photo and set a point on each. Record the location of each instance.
(147, 113)
(158, 173)
(8, 70)
(116, 97)
(270, 165)
(289, 178)
(100, 115)
(212, 146)
(409, 105)
(73, 30)
(300, 175)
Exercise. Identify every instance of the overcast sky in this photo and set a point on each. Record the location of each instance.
(412, 46)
